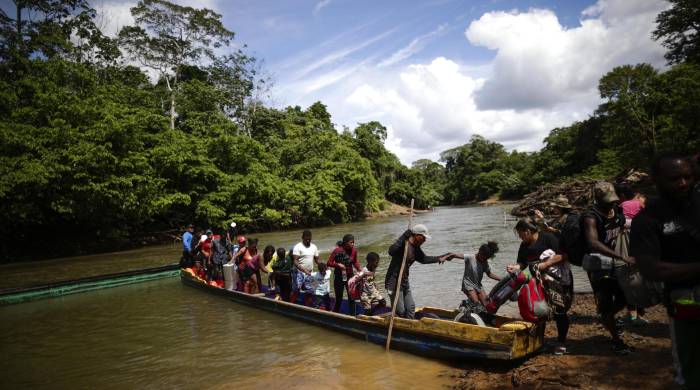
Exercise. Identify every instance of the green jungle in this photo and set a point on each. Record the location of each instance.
(93, 152)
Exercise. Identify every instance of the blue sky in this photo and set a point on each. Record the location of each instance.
(438, 72)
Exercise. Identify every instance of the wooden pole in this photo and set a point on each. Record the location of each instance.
(397, 291)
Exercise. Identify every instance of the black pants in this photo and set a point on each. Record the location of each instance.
(609, 297)
(338, 287)
(284, 283)
(562, 321)
(186, 260)
(322, 299)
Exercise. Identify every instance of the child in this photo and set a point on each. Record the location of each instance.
(319, 283)
(281, 273)
(474, 269)
(369, 294)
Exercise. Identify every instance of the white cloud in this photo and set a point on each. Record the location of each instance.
(543, 75)
(319, 6)
(540, 63)
(111, 17)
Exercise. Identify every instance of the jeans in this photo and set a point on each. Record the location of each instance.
(405, 306)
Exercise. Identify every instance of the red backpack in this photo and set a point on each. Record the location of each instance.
(532, 301)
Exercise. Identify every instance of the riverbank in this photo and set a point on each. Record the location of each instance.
(589, 363)
(391, 210)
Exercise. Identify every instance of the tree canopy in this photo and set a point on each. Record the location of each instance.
(92, 150)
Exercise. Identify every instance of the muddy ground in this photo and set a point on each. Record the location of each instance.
(589, 362)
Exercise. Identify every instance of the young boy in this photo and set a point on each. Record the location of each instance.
(475, 266)
(370, 293)
(319, 283)
(281, 273)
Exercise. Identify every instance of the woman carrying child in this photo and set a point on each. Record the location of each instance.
(541, 250)
(343, 259)
(475, 266)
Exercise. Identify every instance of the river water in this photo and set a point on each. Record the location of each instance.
(162, 334)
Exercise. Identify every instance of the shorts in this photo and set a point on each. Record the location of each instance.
(609, 296)
(298, 278)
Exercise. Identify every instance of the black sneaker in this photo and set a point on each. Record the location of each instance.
(620, 348)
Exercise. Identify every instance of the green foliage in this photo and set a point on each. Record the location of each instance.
(678, 27)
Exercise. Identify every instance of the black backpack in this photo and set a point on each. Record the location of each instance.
(219, 252)
(572, 240)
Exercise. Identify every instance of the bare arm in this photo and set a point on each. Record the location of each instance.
(493, 276)
(593, 240)
(550, 262)
(663, 271)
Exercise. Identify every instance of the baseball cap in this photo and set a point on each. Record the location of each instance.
(421, 229)
(233, 224)
(604, 192)
(241, 240)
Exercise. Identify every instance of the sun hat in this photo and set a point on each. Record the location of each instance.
(421, 229)
(562, 202)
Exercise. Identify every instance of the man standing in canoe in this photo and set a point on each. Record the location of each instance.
(305, 255)
(414, 238)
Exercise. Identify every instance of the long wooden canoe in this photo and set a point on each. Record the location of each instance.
(442, 338)
(24, 294)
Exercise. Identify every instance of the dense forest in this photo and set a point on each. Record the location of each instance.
(92, 151)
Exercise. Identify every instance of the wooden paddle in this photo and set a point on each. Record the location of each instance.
(397, 291)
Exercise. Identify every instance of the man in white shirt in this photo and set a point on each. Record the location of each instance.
(305, 254)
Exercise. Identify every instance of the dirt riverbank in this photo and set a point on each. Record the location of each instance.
(589, 363)
(392, 209)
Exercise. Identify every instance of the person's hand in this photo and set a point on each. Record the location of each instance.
(341, 266)
(629, 260)
(512, 267)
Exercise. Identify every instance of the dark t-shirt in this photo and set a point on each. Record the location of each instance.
(608, 228)
(659, 233)
(413, 254)
(530, 253)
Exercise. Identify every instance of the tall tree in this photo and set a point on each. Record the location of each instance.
(634, 101)
(50, 29)
(678, 28)
(169, 36)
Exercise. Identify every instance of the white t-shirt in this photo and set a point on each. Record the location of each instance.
(306, 255)
(320, 284)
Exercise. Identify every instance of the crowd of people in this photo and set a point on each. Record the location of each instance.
(294, 275)
(621, 234)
